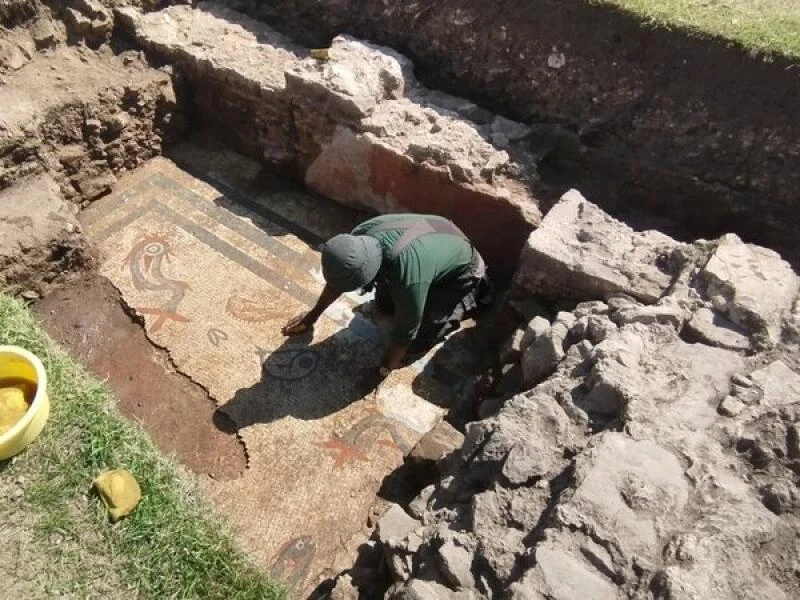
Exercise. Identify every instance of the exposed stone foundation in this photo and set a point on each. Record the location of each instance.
(696, 130)
(634, 463)
(356, 126)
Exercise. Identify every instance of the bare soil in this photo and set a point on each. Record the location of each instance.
(88, 317)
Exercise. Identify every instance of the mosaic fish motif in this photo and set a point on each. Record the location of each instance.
(145, 261)
(293, 561)
(249, 310)
(289, 364)
(354, 444)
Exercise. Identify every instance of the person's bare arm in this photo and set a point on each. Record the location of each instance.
(305, 321)
(393, 355)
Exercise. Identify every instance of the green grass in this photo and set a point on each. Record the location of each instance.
(769, 27)
(170, 547)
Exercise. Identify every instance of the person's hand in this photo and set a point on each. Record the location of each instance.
(297, 325)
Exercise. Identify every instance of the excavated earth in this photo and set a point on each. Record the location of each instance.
(639, 434)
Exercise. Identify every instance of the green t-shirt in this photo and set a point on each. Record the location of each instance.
(428, 260)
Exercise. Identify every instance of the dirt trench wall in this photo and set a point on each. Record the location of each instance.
(699, 134)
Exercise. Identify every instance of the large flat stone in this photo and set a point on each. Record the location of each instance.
(580, 252)
(714, 555)
(713, 329)
(216, 42)
(352, 82)
(780, 385)
(627, 493)
(561, 575)
(659, 384)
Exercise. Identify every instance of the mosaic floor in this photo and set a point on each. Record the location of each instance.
(214, 287)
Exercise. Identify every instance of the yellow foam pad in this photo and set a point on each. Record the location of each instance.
(119, 491)
(12, 407)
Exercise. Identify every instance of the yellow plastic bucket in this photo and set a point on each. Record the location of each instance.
(18, 363)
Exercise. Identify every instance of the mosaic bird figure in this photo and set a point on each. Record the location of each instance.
(145, 262)
(354, 444)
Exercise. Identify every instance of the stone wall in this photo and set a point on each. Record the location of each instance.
(695, 131)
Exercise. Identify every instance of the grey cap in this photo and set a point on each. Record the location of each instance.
(350, 261)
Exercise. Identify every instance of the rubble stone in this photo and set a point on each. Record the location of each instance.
(536, 426)
(438, 443)
(599, 327)
(511, 130)
(344, 589)
(46, 33)
(455, 563)
(511, 351)
(710, 328)
(580, 329)
(536, 327)
(793, 441)
(500, 550)
(566, 318)
(779, 384)
(395, 524)
(499, 507)
(619, 301)
(731, 406)
(751, 285)
(593, 307)
(665, 314)
(581, 351)
(781, 497)
(543, 355)
(429, 457)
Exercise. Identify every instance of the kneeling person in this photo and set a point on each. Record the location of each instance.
(425, 272)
